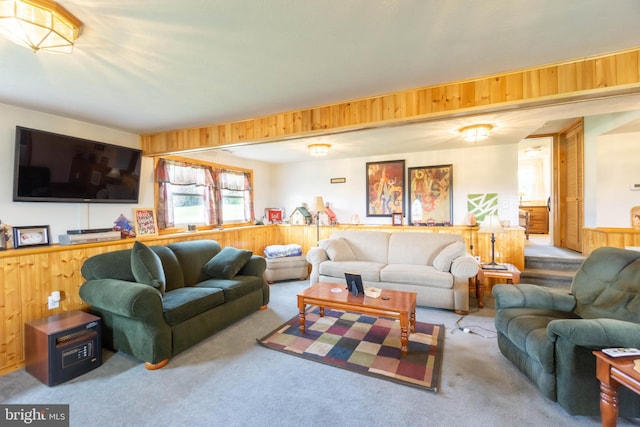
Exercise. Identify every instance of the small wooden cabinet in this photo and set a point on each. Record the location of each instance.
(538, 219)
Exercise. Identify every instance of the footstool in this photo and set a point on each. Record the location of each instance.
(286, 268)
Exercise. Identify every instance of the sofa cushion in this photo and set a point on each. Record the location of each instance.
(367, 245)
(227, 263)
(418, 247)
(147, 267)
(607, 285)
(234, 288)
(337, 249)
(416, 275)
(184, 303)
(370, 271)
(192, 255)
(443, 260)
(171, 266)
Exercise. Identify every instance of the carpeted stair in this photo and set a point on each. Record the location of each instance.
(551, 272)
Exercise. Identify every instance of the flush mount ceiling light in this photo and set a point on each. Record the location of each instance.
(475, 133)
(319, 150)
(39, 24)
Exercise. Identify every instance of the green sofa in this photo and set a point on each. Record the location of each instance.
(550, 335)
(156, 301)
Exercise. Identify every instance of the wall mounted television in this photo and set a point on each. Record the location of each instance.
(50, 167)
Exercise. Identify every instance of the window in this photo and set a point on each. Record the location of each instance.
(235, 190)
(202, 194)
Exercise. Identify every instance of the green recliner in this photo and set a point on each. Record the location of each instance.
(550, 335)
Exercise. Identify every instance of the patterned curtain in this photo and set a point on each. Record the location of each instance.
(236, 181)
(170, 174)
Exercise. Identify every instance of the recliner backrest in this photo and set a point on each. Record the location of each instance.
(608, 285)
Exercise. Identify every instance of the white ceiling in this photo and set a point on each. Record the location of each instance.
(150, 66)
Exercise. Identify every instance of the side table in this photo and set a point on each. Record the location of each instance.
(511, 274)
(612, 373)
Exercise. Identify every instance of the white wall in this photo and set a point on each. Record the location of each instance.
(618, 168)
(482, 169)
(611, 164)
(62, 216)
(614, 198)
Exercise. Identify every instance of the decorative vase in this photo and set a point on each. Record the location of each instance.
(355, 219)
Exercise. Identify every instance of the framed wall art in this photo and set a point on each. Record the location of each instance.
(431, 195)
(145, 222)
(35, 235)
(385, 187)
(482, 205)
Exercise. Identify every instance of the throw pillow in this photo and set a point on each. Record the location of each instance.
(147, 267)
(227, 263)
(337, 249)
(443, 260)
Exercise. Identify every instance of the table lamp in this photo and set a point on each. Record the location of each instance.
(491, 224)
(318, 206)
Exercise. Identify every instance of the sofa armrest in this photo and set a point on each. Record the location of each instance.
(256, 266)
(596, 333)
(464, 267)
(315, 256)
(122, 298)
(532, 296)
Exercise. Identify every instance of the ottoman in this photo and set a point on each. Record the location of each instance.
(286, 268)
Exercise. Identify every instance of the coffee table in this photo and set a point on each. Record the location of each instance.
(395, 304)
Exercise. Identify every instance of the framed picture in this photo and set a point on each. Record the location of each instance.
(274, 215)
(396, 218)
(385, 188)
(35, 235)
(144, 221)
(431, 195)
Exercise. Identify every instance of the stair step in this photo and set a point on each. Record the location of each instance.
(555, 264)
(547, 278)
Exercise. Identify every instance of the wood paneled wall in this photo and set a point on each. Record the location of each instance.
(29, 275)
(593, 238)
(582, 78)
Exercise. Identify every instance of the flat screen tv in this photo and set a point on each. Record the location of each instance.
(50, 167)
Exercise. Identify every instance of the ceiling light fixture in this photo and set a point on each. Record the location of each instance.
(319, 150)
(475, 133)
(39, 24)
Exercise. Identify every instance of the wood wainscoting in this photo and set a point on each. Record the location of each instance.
(594, 238)
(29, 275)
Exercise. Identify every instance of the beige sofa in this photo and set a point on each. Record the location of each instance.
(434, 265)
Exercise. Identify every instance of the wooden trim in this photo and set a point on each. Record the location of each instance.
(578, 79)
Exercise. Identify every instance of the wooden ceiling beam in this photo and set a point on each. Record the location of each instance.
(585, 78)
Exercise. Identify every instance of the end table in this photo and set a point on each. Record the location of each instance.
(511, 274)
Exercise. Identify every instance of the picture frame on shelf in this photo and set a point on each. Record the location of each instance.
(274, 215)
(396, 218)
(145, 222)
(34, 235)
(430, 195)
(385, 187)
